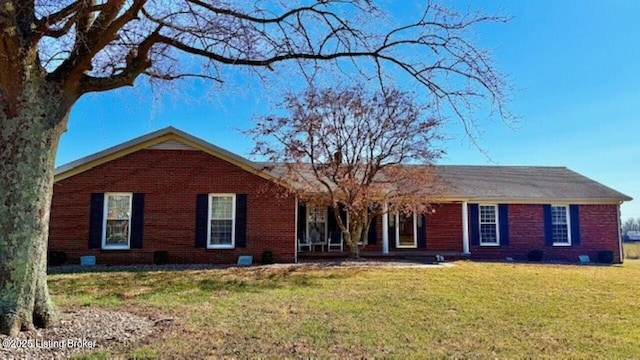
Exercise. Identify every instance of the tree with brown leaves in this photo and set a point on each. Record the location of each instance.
(54, 52)
(366, 153)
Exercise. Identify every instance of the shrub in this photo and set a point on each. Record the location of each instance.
(267, 257)
(160, 257)
(57, 258)
(535, 255)
(605, 256)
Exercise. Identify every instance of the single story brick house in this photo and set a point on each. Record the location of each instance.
(171, 192)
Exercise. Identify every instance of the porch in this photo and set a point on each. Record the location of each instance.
(442, 231)
(413, 255)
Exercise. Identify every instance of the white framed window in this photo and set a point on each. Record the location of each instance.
(406, 230)
(222, 221)
(560, 221)
(116, 227)
(317, 223)
(489, 230)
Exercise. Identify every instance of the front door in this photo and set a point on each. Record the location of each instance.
(406, 231)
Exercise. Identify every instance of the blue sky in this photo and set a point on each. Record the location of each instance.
(575, 66)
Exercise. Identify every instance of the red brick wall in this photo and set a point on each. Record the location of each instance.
(378, 245)
(171, 179)
(444, 228)
(598, 231)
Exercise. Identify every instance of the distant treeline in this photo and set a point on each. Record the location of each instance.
(630, 226)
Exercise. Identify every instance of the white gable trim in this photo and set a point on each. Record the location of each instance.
(169, 135)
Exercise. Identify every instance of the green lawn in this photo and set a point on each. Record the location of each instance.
(478, 310)
(632, 250)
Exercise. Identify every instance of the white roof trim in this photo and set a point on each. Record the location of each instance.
(498, 200)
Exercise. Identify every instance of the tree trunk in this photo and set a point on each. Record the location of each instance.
(352, 239)
(30, 129)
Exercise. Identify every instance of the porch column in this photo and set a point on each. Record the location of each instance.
(385, 227)
(465, 228)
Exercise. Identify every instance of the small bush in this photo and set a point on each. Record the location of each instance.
(535, 255)
(160, 257)
(267, 258)
(605, 257)
(57, 258)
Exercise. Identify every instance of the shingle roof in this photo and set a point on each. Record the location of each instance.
(534, 183)
(459, 182)
(510, 184)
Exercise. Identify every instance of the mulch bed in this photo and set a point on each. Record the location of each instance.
(80, 331)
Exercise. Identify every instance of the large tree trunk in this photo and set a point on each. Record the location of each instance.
(30, 129)
(352, 238)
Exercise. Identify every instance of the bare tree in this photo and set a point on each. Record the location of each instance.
(348, 148)
(54, 51)
(630, 224)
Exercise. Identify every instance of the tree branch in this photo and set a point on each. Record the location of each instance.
(137, 63)
(101, 32)
(258, 62)
(257, 20)
(455, 73)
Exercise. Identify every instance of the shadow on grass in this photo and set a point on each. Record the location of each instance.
(548, 263)
(79, 269)
(163, 287)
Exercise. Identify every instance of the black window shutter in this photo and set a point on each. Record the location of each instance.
(392, 231)
(574, 213)
(422, 236)
(331, 220)
(302, 221)
(96, 217)
(373, 231)
(474, 224)
(342, 212)
(202, 216)
(137, 220)
(503, 219)
(548, 225)
(241, 220)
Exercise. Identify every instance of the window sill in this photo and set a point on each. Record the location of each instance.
(406, 247)
(562, 244)
(115, 248)
(221, 247)
(490, 244)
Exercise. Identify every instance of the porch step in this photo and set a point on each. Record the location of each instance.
(418, 256)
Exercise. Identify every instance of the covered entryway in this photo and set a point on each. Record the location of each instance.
(318, 230)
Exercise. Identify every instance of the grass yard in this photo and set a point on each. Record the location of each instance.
(631, 250)
(477, 310)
